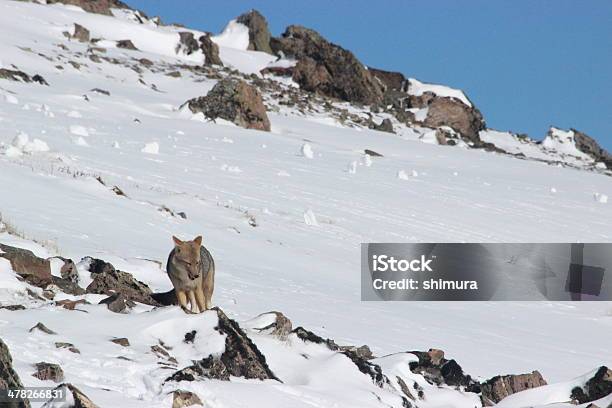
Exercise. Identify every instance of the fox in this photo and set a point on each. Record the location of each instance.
(191, 269)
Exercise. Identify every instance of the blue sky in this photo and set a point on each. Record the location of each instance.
(525, 64)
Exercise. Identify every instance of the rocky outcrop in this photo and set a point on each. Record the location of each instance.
(184, 399)
(34, 270)
(234, 100)
(94, 6)
(437, 370)
(327, 68)
(20, 76)
(385, 126)
(49, 372)
(259, 34)
(9, 378)
(499, 387)
(80, 399)
(391, 81)
(588, 145)
(596, 387)
(443, 111)
(126, 45)
(210, 50)
(109, 281)
(81, 33)
(187, 43)
(241, 357)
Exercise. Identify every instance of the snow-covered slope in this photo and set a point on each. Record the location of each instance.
(282, 212)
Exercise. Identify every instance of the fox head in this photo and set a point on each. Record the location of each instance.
(187, 253)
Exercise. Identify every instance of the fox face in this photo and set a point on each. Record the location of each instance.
(187, 253)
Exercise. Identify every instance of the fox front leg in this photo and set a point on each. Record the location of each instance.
(192, 301)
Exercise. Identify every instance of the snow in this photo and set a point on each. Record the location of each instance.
(235, 35)
(563, 142)
(303, 256)
(417, 88)
(151, 148)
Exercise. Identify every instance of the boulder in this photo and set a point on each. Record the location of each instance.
(187, 43)
(327, 68)
(126, 44)
(259, 34)
(118, 303)
(437, 370)
(308, 336)
(34, 270)
(122, 341)
(241, 357)
(184, 399)
(80, 399)
(42, 328)
(109, 281)
(451, 112)
(49, 372)
(9, 378)
(234, 100)
(596, 387)
(385, 126)
(81, 33)
(69, 346)
(210, 50)
(588, 145)
(499, 387)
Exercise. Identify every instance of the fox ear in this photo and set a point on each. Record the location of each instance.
(177, 241)
(198, 240)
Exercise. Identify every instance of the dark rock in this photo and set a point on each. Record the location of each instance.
(9, 378)
(327, 68)
(98, 266)
(34, 270)
(372, 370)
(210, 50)
(499, 387)
(187, 43)
(438, 370)
(69, 346)
(372, 153)
(122, 341)
(126, 44)
(100, 91)
(259, 34)
(80, 33)
(184, 399)
(190, 337)
(278, 71)
(588, 145)
(13, 308)
(109, 281)
(281, 327)
(385, 126)
(118, 303)
(20, 76)
(234, 100)
(49, 372)
(145, 62)
(41, 327)
(597, 387)
(174, 74)
(308, 336)
(80, 399)
(392, 81)
(69, 271)
(241, 357)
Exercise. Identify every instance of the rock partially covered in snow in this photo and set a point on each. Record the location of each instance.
(306, 151)
(596, 387)
(23, 145)
(74, 398)
(185, 399)
(9, 378)
(36, 271)
(310, 218)
(499, 387)
(241, 357)
(151, 148)
(234, 100)
(437, 370)
(259, 34)
(273, 323)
